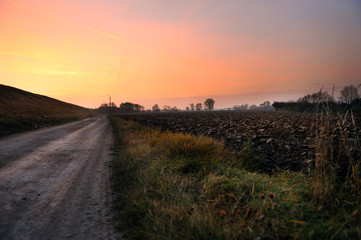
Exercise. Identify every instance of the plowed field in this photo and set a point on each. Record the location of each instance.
(282, 140)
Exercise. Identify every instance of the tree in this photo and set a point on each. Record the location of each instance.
(209, 104)
(319, 97)
(138, 108)
(156, 108)
(241, 108)
(187, 108)
(199, 106)
(192, 106)
(166, 108)
(130, 107)
(174, 109)
(265, 104)
(253, 107)
(126, 107)
(349, 94)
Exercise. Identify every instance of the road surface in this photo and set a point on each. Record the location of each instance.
(54, 182)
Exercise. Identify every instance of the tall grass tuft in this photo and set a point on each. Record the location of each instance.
(180, 186)
(336, 175)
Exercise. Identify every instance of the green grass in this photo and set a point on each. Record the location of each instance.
(180, 186)
(21, 110)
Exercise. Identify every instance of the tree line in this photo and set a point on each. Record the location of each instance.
(349, 99)
(128, 107)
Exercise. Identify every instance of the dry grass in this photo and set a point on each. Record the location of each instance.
(20, 110)
(179, 186)
(336, 174)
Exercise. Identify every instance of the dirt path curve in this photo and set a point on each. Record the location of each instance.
(54, 182)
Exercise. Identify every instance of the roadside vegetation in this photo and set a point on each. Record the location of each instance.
(182, 186)
(21, 111)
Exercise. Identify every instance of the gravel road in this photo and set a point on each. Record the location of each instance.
(54, 182)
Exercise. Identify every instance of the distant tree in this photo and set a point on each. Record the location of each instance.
(318, 97)
(174, 109)
(209, 104)
(192, 106)
(126, 107)
(266, 104)
(280, 105)
(156, 108)
(236, 107)
(103, 108)
(241, 107)
(187, 108)
(138, 108)
(166, 108)
(349, 94)
(130, 107)
(244, 107)
(199, 106)
(253, 107)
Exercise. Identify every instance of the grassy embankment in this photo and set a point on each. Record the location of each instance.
(21, 110)
(180, 186)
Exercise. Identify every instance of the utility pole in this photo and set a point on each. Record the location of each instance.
(110, 105)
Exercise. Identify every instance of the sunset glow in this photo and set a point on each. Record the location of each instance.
(178, 52)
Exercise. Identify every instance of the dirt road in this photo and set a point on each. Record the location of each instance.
(54, 182)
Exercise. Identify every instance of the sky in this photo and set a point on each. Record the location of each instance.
(177, 52)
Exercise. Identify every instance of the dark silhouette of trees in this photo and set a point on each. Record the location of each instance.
(130, 107)
(138, 108)
(199, 106)
(187, 108)
(319, 97)
(124, 107)
(265, 104)
(240, 107)
(349, 94)
(192, 106)
(209, 104)
(253, 107)
(307, 103)
(166, 108)
(156, 108)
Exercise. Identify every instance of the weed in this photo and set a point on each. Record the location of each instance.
(179, 186)
(336, 175)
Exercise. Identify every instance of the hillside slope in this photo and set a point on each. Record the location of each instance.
(21, 110)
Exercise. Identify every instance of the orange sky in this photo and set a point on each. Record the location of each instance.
(177, 52)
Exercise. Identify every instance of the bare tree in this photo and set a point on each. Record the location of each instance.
(265, 104)
(156, 108)
(253, 107)
(166, 108)
(319, 97)
(174, 109)
(209, 104)
(199, 106)
(192, 106)
(349, 94)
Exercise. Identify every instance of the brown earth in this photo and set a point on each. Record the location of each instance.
(281, 139)
(54, 182)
